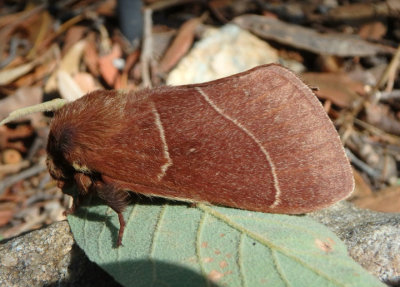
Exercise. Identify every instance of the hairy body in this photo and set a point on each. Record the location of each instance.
(259, 140)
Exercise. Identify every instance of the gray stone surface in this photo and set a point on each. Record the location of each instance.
(372, 238)
(48, 257)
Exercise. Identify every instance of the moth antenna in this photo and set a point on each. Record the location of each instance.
(49, 106)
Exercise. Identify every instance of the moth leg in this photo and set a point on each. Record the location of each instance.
(83, 183)
(75, 204)
(117, 199)
(121, 228)
(72, 209)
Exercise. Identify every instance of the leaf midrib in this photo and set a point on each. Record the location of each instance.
(265, 242)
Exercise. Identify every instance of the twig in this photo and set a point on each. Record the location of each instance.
(147, 47)
(37, 144)
(389, 72)
(394, 94)
(13, 167)
(159, 5)
(392, 139)
(23, 16)
(14, 45)
(42, 196)
(36, 220)
(63, 28)
(8, 181)
(362, 165)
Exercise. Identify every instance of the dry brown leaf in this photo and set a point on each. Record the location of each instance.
(386, 200)
(381, 116)
(6, 212)
(131, 60)
(374, 159)
(308, 39)
(107, 8)
(329, 64)
(13, 168)
(9, 136)
(30, 28)
(360, 11)
(9, 75)
(361, 189)
(73, 35)
(38, 74)
(11, 18)
(107, 69)
(91, 57)
(180, 45)
(86, 82)
(162, 39)
(34, 221)
(44, 30)
(69, 64)
(13, 21)
(67, 87)
(71, 60)
(373, 31)
(338, 88)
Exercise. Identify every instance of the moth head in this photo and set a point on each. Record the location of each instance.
(54, 170)
(64, 159)
(59, 167)
(59, 171)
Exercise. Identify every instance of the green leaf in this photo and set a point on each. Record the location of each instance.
(177, 245)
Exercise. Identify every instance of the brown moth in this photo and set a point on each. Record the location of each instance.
(259, 140)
